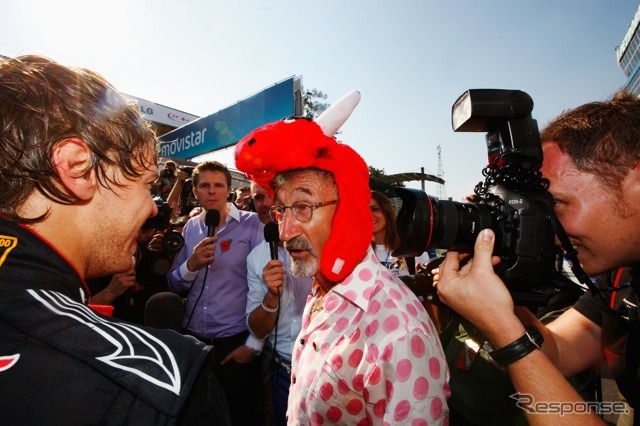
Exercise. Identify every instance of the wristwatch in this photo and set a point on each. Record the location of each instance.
(254, 351)
(530, 341)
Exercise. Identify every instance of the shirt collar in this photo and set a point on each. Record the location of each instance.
(234, 213)
(358, 285)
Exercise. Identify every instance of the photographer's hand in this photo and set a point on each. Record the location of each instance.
(118, 285)
(156, 242)
(181, 176)
(203, 254)
(477, 293)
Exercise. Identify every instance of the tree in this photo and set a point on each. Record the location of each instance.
(377, 182)
(312, 105)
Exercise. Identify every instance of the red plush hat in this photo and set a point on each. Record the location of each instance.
(300, 143)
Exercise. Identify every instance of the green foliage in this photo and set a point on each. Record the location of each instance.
(377, 183)
(312, 105)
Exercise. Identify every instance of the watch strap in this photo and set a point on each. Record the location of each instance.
(523, 346)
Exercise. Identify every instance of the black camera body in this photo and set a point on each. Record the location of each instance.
(513, 200)
(188, 169)
(187, 200)
(173, 241)
(162, 219)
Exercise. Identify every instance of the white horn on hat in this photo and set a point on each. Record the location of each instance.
(334, 117)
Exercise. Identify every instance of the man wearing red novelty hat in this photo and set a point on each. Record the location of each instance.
(367, 348)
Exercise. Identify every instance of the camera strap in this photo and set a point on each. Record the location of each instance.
(570, 251)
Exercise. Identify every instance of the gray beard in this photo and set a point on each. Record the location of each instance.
(304, 268)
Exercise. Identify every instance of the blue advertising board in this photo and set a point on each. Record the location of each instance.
(226, 127)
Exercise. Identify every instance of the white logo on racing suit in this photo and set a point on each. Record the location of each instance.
(129, 340)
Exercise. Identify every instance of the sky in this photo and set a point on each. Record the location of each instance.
(410, 59)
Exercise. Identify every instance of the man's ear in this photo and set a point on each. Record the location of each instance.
(71, 158)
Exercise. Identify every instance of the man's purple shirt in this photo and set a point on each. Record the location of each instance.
(220, 312)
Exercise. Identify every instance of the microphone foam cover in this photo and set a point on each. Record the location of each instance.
(164, 310)
(271, 232)
(212, 218)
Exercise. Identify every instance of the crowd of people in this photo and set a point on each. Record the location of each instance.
(312, 325)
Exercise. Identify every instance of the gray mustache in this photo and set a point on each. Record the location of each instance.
(298, 243)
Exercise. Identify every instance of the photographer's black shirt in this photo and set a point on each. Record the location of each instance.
(616, 312)
(592, 306)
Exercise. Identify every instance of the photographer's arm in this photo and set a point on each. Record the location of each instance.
(155, 186)
(478, 294)
(118, 285)
(571, 341)
(174, 195)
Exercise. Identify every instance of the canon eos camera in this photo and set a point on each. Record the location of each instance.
(513, 200)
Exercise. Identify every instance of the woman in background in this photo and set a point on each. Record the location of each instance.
(385, 234)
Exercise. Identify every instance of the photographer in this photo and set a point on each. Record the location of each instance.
(178, 190)
(166, 180)
(592, 160)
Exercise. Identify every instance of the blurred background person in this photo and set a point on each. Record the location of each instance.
(243, 198)
(385, 234)
(166, 179)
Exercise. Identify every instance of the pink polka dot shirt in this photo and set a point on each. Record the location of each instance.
(371, 356)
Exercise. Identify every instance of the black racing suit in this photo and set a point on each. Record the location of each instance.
(61, 363)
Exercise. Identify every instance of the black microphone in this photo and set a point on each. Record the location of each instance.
(212, 220)
(272, 236)
(164, 310)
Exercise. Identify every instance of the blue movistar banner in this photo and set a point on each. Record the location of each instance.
(226, 127)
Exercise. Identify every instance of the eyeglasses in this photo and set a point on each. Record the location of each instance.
(303, 212)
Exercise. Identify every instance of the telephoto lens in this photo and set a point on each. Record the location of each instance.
(425, 222)
(172, 242)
